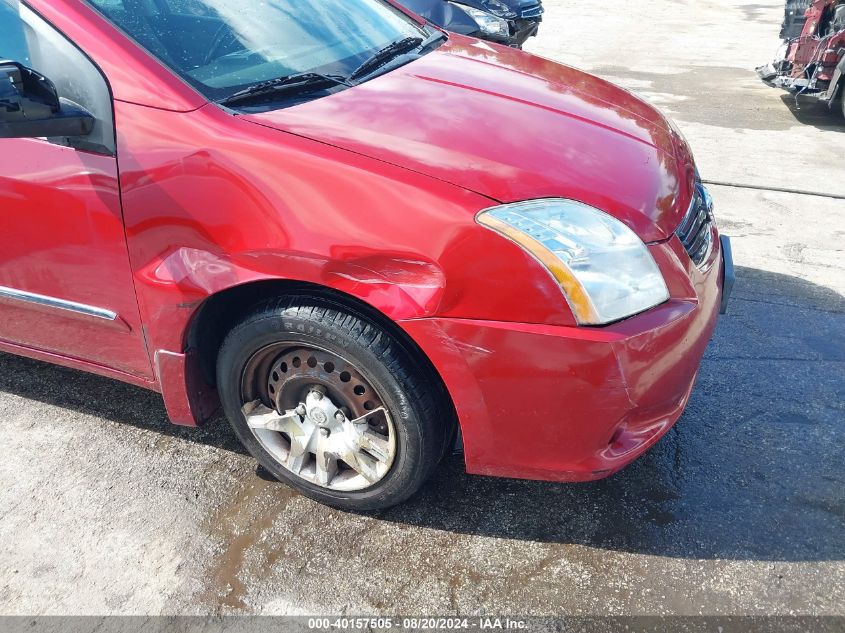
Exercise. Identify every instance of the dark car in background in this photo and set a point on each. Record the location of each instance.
(509, 22)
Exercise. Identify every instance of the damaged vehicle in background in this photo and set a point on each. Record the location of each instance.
(813, 64)
(509, 22)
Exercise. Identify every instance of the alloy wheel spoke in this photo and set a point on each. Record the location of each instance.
(259, 416)
(358, 422)
(362, 464)
(298, 454)
(375, 444)
(326, 463)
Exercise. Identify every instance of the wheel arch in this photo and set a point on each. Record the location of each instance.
(221, 311)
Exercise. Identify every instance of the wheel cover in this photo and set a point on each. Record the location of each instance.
(318, 416)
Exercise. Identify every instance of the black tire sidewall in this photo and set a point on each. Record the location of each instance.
(411, 464)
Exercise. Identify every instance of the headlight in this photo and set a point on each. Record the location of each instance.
(605, 271)
(487, 22)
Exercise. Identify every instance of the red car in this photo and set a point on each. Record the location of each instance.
(357, 233)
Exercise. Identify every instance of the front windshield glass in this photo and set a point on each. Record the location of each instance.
(223, 46)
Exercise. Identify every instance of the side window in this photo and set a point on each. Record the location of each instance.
(28, 39)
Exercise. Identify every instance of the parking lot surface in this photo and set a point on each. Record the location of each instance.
(107, 509)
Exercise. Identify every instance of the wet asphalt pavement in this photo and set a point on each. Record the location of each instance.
(740, 509)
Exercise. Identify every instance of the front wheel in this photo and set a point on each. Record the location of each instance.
(331, 403)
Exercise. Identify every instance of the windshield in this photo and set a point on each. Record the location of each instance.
(223, 46)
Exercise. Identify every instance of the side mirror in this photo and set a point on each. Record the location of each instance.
(30, 106)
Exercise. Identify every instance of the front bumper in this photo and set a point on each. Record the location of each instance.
(522, 30)
(563, 403)
(728, 274)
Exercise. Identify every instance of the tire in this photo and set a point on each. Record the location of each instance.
(311, 338)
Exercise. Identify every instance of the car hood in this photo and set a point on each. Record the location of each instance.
(512, 127)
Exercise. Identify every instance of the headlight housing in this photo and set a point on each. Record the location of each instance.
(487, 22)
(604, 269)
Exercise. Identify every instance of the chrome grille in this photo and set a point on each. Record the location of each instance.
(696, 229)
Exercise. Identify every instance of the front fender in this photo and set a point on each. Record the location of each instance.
(400, 286)
(179, 284)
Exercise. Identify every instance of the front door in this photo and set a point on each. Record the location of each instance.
(65, 280)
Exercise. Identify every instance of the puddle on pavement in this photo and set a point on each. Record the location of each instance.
(237, 527)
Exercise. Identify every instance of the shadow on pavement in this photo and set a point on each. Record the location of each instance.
(812, 112)
(106, 399)
(753, 470)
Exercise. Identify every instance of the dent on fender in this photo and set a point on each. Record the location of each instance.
(400, 286)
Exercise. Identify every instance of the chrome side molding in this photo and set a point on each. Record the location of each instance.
(71, 307)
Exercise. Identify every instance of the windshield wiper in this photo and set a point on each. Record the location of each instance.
(386, 54)
(303, 83)
(298, 83)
